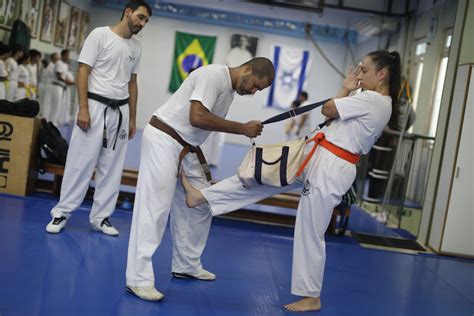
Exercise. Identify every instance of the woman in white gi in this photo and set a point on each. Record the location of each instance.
(33, 67)
(198, 107)
(4, 54)
(106, 119)
(45, 87)
(358, 122)
(22, 90)
(12, 69)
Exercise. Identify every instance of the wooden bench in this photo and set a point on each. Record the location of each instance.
(286, 200)
(129, 177)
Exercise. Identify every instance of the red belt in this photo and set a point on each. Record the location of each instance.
(319, 139)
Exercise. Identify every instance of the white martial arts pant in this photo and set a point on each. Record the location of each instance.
(3, 90)
(46, 108)
(158, 192)
(325, 180)
(20, 94)
(11, 92)
(86, 154)
(58, 103)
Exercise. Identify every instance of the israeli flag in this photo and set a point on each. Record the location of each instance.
(291, 66)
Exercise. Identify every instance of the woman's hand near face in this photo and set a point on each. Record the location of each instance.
(352, 82)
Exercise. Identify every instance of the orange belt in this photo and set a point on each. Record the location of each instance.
(319, 139)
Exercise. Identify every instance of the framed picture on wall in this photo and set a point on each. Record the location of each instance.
(7, 12)
(30, 10)
(48, 20)
(83, 29)
(73, 28)
(242, 48)
(62, 24)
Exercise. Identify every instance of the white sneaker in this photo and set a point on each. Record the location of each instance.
(106, 228)
(148, 293)
(201, 274)
(56, 225)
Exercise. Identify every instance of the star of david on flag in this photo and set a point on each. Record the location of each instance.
(190, 51)
(291, 67)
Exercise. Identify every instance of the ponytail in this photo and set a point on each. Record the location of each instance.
(391, 60)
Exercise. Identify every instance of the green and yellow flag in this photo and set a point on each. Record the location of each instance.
(190, 51)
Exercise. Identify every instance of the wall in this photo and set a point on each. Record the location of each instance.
(467, 47)
(434, 206)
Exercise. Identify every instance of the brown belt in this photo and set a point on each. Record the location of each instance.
(187, 148)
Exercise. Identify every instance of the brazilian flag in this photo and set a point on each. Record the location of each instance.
(190, 51)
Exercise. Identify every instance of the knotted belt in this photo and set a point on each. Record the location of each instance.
(114, 105)
(59, 84)
(319, 139)
(187, 148)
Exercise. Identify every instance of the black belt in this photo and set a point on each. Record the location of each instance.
(60, 84)
(110, 103)
(187, 148)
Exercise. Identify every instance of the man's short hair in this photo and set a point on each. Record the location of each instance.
(134, 5)
(34, 53)
(64, 52)
(304, 94)
(261, 68)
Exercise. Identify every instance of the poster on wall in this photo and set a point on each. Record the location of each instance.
(7, 11)
(191, 51)
(48, 20)
(291, 67)
(30, 15)
(73, 28)
(242, 49)
(83, 29)
(62, 23)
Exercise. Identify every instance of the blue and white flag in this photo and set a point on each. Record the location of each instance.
(291, 67)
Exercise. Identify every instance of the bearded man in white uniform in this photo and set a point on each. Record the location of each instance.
(196, 109)
(106, 83)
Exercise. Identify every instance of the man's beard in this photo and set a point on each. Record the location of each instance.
(133, 29)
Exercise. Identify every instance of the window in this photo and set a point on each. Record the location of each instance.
(419, 52)
(440, 83)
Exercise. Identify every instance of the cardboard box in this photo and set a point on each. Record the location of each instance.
(19, 154)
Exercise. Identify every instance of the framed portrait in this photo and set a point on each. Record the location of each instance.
(48, 20)
(30, 10)
(7, 13)
(62, 24)
(74, 24)
(83, 29)
(242, 48)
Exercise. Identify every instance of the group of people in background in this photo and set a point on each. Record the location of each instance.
(24, 74)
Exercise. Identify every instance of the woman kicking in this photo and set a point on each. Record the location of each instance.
(358, 122)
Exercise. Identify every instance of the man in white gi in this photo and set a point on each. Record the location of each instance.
(46, 85)
(106, 83)
(13, 70)
(183, 123)
(59, 88)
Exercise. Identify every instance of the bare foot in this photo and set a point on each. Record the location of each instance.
(194, 196)
(305, 305)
